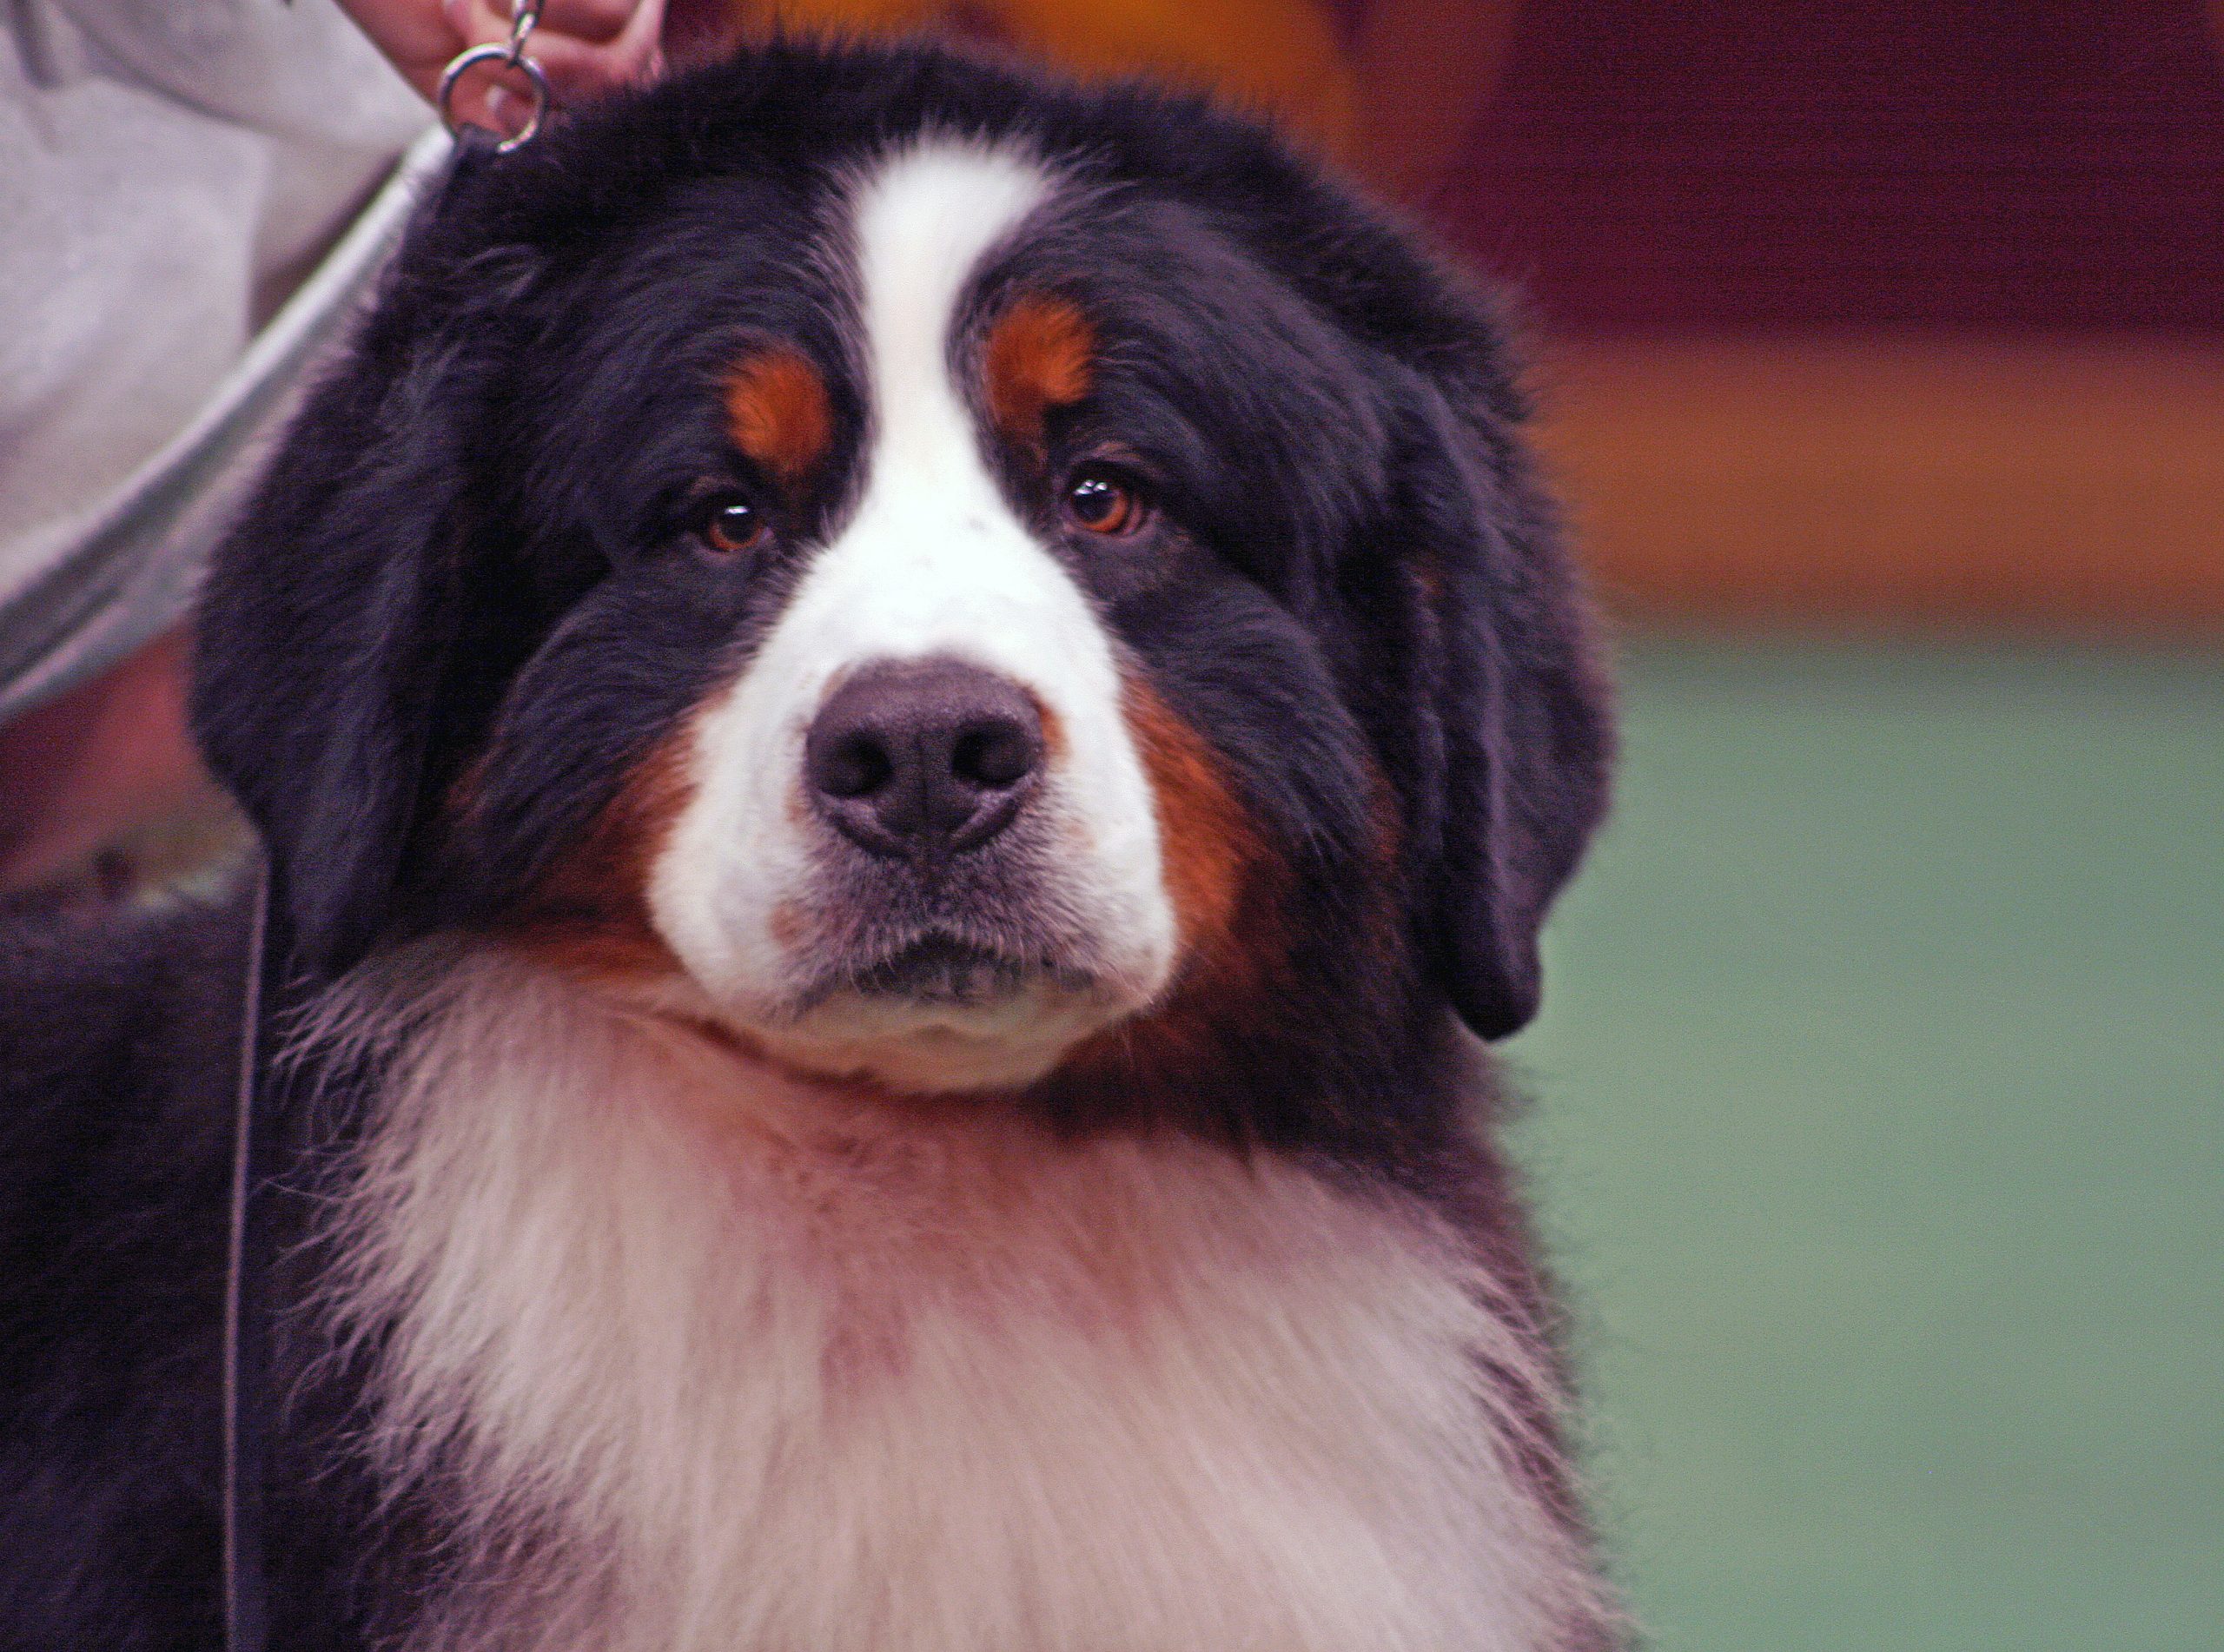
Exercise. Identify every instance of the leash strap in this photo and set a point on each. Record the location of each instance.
(245, 1602)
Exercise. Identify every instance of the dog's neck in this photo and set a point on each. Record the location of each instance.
(695, 1354)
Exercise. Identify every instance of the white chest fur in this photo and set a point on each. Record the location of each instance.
(727, 1365)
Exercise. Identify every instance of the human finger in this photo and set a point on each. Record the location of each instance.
(578, 66)
(596, 21)
(580, 71)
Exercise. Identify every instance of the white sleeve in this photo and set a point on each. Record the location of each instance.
(165, 167)
(301, 71)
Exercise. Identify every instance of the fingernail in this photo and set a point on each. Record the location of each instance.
(502, 111)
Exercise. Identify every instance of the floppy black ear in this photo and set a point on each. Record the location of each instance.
(1521, 725)
(325, 631)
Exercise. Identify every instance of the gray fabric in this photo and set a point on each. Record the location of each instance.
(132, 571)
(166, 166)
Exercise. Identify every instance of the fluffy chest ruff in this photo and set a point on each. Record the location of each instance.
(694, 1356)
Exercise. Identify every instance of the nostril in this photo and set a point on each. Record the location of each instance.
(854, 767)
(995, 755)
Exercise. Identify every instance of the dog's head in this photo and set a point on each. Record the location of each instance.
(955, 581)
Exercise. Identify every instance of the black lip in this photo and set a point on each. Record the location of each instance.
(944, 970)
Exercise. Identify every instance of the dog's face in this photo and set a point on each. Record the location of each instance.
(919, 836)
(957, 584)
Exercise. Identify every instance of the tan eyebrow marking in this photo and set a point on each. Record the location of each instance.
(1041, 354)
(778, 413)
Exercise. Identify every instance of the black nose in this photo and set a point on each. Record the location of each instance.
(923, 758)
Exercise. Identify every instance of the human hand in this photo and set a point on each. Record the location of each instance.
(584, 47)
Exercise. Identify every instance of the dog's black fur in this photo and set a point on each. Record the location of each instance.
(458, 580)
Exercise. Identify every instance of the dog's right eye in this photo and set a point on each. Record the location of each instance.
(728, 525)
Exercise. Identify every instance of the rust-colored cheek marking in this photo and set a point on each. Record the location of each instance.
(1207, 844)
(778, 414)
(1041, 353)
(590, 915)
(1053, 735)
(1225, 882)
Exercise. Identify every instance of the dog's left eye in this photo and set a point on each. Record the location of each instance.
(728, 525)
(1102, 500)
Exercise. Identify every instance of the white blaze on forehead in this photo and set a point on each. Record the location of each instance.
(924, 225)
(934, 563)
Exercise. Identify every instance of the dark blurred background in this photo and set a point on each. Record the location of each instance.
(1879, 1126)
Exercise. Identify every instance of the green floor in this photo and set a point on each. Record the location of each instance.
(1879, 1134)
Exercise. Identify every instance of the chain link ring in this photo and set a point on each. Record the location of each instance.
(509, 55)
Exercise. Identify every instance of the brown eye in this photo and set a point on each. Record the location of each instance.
(731, 525)
(1103, 501)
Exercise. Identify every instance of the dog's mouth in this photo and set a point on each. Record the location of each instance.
(940, 968)
(945, 969)
(940, 1009)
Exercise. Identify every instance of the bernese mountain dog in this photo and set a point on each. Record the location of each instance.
(897, 711)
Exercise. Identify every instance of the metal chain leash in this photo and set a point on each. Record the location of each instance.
(510, 55)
